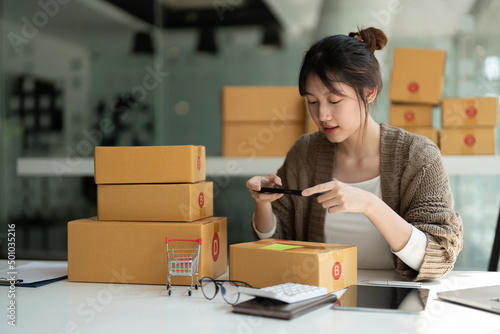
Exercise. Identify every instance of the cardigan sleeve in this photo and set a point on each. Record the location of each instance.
(284, 208)
(427, 203)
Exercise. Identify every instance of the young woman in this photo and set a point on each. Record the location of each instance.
(380, 188)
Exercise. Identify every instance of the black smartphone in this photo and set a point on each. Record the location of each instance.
(280, 191)
(284, 191)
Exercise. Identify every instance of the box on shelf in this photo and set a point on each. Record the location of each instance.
(428, 132)
(254, 104)
(417, 75)
(403, 115)
(155, 202)
(135, 252)
(149, 164)
(259, 138)
(474, 111)
(468, 141)
(269, 262)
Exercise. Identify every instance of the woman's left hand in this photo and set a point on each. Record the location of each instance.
(339, 197)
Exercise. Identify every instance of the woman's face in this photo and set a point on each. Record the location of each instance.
(338, 116)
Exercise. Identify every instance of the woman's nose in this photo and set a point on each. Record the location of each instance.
(324, 113)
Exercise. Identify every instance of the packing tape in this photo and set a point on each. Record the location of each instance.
(216, 228)
(198, 159)
(291, 243)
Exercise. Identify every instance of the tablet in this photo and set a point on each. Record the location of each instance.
(383, 298)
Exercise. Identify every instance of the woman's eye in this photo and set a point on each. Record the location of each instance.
(312, 102)
(335, 102)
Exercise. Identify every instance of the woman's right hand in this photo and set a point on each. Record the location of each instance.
(256, 182)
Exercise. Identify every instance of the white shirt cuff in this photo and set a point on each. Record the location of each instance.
(264, 235)
(413, 253)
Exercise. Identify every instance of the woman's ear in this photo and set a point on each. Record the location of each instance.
(371, 94)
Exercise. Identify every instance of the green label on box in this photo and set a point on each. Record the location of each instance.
(280, 247)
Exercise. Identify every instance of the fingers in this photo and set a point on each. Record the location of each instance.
(256, 182)
(264, 197)
(320, 189)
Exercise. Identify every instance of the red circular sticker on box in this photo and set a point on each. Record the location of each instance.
(469, 140)
(409, 115)
(198, 163)
(201, 200)
(471, 111)
(215, 247)
(336, 270)
(413, 87)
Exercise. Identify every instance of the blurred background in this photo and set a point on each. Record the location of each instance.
(80, 73)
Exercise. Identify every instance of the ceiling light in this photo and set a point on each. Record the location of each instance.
(272, 37)
(206, 41)
(143, 43)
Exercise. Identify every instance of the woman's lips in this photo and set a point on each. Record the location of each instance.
(330, 129)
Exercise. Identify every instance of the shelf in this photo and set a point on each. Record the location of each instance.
(63, 167)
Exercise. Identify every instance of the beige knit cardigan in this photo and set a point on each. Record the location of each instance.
(414, 184)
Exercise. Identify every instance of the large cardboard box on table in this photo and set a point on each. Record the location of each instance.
(270, 261)
(417, 76)
(259, 139)
(155, 202)
(135, 252)
(404, 115)
(149, 164)
(474, 111)
(468, 141)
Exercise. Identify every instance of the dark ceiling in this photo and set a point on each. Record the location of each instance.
(249, 13)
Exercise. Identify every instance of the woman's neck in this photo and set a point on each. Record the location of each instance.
(364, 143)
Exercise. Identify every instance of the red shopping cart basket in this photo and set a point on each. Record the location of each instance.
(183, 262)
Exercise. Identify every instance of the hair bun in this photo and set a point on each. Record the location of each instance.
(375, 39)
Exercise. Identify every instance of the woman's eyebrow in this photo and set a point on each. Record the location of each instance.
(326, 93)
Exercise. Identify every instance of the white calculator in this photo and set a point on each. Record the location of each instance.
(287, 292)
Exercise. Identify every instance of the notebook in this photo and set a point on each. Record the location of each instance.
(277, 309)
(485, 298)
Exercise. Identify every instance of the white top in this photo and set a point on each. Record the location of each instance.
(356, 229)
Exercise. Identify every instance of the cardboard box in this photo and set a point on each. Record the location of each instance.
(478, 111)
(403, 115)
(464, 141)
(135, 252)
(417, 76)
(149, 164)
(155, 202)
(257, 104)
(259, 138)
(428, 132)
(270, 262)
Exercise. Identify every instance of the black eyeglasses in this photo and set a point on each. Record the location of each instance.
(229, 289)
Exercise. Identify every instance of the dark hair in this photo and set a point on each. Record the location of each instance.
(345, 59)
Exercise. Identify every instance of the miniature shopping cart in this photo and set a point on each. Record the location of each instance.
(183, 262)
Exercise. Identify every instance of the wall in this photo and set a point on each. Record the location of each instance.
(40, 205)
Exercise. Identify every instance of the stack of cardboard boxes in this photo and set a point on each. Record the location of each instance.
(468, 125)
(416, 87)
(261, 121)
(146, 194)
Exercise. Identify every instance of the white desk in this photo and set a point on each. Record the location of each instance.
(220, 166)
(68, 307)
